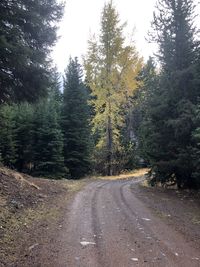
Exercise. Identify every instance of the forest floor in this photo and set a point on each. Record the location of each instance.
(96, 222)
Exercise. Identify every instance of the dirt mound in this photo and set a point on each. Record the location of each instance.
(27, 209)
(20, 191)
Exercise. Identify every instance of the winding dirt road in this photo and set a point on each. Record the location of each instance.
(108, 226)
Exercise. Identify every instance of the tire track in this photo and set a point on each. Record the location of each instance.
(135, 234)
(96, 226)
(168, 246)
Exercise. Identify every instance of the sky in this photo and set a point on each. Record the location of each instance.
(82, 18)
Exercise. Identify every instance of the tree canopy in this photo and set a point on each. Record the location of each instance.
(75, 121)
(170, 119)
(27, 32)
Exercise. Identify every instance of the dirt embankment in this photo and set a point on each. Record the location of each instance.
(31, 214)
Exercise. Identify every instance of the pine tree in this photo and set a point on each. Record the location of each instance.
(168, 131)
(75, 121)
(31, 138)
(23, 130)
(148, 80)
(7, 136)
(195, 153)
(27, 32)
(48, 139)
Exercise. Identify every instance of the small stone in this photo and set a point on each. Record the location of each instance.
(33, 246)
(134, 259)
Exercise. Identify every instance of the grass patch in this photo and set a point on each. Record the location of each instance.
(161, 214)
(74, 186)
(145, 184)
(123, 176)
(196, 220)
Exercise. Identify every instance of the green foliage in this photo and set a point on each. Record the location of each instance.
(175, 34)
(196, 149)
(48, 141)
(51, 137)
(27, 32)
(31, 138)
(75, 122)
(169, 120)
(23, 134)
(7, 137)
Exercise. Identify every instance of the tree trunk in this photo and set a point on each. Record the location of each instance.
(109, 143)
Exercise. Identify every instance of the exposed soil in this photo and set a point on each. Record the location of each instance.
(31, 213)
(180, 209)
(108, 223)
(118, 223)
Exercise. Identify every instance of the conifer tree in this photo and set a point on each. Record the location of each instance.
(168, 132)
(23, 135)
(31, 138)
(75, 122)
(7, 137)
(111, 68)
(196, 150)
(48, 138)
(143, 102)
(27, 32)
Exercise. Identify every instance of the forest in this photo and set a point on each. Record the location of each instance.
(113, 112)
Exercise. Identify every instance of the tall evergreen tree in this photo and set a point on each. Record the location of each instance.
(48, 138)
(75, 121)
(7, 137)
(27, 32)
(31, 138)
(143, 102)
(196, 149)
(172, 111)
(23, 136)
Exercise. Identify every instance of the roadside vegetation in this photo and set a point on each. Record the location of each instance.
(115, 113)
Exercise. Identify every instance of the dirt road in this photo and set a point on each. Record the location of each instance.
(109, 226)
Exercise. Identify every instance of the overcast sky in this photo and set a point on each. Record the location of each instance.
(82, 17)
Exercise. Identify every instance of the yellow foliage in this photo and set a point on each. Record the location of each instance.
(111, 70)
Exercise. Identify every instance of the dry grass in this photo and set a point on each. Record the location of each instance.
(19, 177)
(3, 201)
(162, 214)
(196, 219)
(124, 176)
(74, 185)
